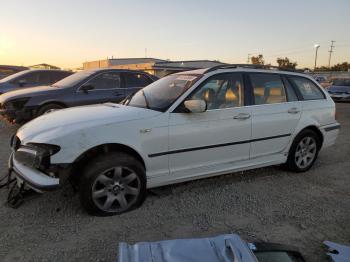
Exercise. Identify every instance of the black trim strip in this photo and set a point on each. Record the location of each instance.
(327, 129)
(218, 145)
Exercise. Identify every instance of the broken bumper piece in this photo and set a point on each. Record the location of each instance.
(32, 177)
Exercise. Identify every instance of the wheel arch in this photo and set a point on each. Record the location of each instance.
(52, 102)
(316, 130)
(93, 152)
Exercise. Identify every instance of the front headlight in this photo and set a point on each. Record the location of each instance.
(36, 155)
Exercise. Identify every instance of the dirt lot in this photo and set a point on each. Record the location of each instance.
(266, 204)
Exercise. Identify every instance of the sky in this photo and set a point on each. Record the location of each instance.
(67, 33)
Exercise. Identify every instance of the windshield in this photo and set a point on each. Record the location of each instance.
(341, 82)
(74, 79)
(14, 76)
(161, 94)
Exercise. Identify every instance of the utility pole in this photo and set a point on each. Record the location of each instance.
(330, 53)
(248, 60)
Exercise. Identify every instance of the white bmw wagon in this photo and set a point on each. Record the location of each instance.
(185, 126)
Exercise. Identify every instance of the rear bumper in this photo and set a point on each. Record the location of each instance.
(34, 178)
(330, 134)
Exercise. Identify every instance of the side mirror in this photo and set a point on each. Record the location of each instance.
(87, 88)
(196, 106)
(22, 82)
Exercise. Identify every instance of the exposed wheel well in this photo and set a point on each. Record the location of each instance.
(317, 131)
(84, 158)
(52, 103)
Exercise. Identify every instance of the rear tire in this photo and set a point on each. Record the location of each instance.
(48, 109)
(304, 151)
(113, 183)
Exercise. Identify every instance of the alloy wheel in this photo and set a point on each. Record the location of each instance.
(306, 152)
(116, 189)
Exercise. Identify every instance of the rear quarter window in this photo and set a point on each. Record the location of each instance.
(307, 89)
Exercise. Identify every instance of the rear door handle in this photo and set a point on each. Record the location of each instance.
(242, 116)
(293, 110)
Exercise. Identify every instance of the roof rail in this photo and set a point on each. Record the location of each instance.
(250, 66)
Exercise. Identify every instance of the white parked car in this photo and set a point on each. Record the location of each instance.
(185, 126)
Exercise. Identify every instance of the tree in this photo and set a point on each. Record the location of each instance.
(286, 63)
(345, 66)
(257, 60)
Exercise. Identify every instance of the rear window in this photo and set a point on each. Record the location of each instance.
(307, 89)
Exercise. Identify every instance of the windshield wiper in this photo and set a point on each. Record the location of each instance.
(127, 99)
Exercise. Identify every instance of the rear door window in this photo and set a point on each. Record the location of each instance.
(105, 81)
(136, 80)
(268, 88)
(307, 89)
(291, 95)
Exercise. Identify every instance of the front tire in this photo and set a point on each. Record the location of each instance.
(112, 184)
(304, 151)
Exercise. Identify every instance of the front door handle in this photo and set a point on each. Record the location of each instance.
(242, 116)
(293, 110)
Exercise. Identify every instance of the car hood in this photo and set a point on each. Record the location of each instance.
(27, 92)
(69, 120)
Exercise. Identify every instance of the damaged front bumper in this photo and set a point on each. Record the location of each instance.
(32, 177)
(17, 115)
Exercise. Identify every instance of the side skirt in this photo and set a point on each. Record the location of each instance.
(217, 170)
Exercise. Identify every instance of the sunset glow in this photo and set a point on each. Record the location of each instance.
(67, 33)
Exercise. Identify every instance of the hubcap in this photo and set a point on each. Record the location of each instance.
(305, 152)
(116, 189)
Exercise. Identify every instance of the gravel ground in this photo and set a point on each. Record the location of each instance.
(267, 204)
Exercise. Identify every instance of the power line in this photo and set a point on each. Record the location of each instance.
(330, 53)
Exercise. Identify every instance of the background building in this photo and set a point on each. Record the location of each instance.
(6, 70)
(44, 66)
(157, 67)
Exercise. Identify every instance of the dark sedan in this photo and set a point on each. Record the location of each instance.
(340, 90)
(31, 78)
(82, 88)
